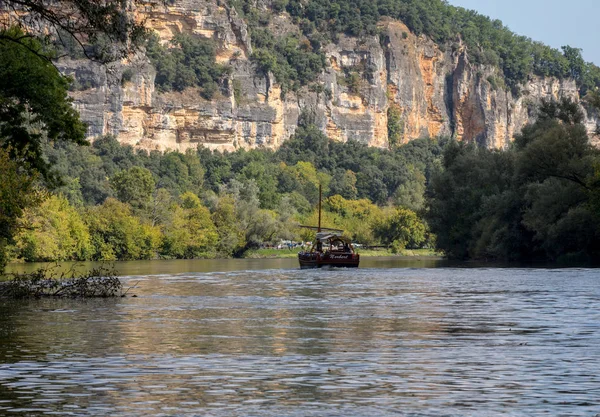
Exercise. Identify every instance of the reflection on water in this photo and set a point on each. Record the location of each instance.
(371, 342)
(181, 266)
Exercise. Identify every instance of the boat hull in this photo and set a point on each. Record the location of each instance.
(312, 260)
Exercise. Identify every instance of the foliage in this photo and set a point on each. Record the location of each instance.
(292, 64)
(189, 232)
(255, 224)
(411, 194)
(534, 201)
(33, 102)
(401, 229)
(189, 61)
(295, 59)
(204, 203)
(133, 186)
(54, 231)
(17, 193)
(395, 126)
(231, 237)
(378, 172)
(487, 41)
(117, 234)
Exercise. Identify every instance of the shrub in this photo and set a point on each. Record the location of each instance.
(190, 61)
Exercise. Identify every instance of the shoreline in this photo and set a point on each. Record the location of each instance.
(365, 253)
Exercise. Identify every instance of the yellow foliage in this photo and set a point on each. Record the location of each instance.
(355, 217)
(54, 232)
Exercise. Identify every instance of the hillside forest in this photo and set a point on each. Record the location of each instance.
(62, 198)
(538, 200)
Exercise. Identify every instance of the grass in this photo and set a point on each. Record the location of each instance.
(272, 253)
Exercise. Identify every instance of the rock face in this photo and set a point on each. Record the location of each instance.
(435, 91)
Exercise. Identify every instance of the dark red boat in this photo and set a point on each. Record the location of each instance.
(330, 249)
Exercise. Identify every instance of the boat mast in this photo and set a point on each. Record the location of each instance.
(320, 195)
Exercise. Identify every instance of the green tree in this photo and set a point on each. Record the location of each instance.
(534, 201)
(17, 193)
(190, 61)
(231, 238)
(401, 229)
(557, 166)
(134, 186)
(411, 194)
(257, 225)
(456, 194)
(54, 231)
(344, 183)
(190, 232)
(395, 126)
(118, 235)
(34, 103)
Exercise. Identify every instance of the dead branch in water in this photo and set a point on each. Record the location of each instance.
(99, 282)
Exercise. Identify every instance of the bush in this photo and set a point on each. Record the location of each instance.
(190, 61)
(126, 76)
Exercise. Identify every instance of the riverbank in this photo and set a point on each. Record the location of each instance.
(365, 253)
(185, 266)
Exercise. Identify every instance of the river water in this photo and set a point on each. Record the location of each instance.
(263, 338)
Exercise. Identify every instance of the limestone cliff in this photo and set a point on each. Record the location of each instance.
(436, 91)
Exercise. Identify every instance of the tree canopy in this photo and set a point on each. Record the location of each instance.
(33, 103)
(538, 200)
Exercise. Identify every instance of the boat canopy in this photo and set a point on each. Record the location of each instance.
(332, 236)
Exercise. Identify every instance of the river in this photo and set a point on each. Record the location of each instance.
(263, 338)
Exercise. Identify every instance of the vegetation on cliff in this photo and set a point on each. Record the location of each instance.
(294, 58)
(188, 61)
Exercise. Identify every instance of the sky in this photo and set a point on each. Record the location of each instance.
(553, 22)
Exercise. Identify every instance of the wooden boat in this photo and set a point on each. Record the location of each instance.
(330, 248)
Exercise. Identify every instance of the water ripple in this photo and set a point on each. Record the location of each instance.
(372, 342)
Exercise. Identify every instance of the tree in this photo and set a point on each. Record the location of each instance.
(190, 232)
(231, 237)
(344, 183)
(458, 191)
(577, 65)
(538, 200)
(54, 231)
(134, 186)
(411, 194)
(33, 103)
(401, 229)
(256, 225)
(189, 62)
(118, 235)
(17, 193)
